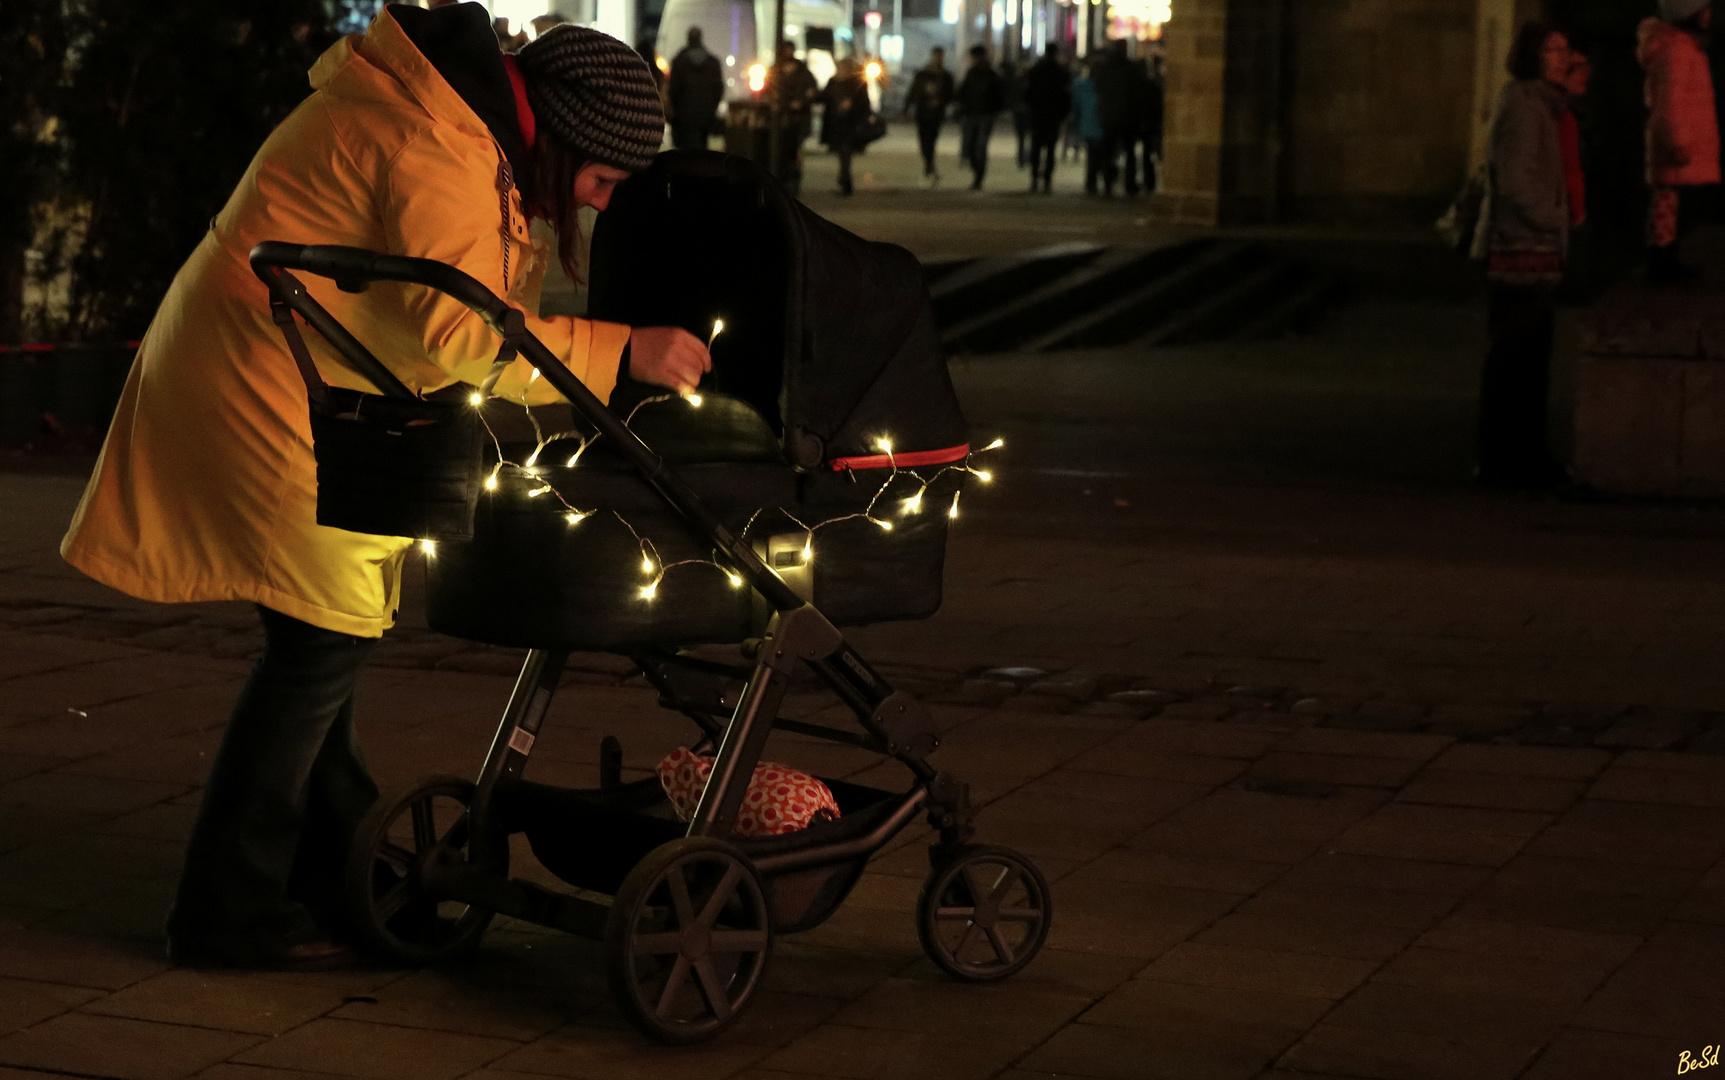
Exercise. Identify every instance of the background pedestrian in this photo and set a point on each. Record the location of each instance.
(980, 99)
(1047, 100)
(693, 94)
(1086, 128)
(845, 116)
(1528, 243)
(1682, 124)
(931, 94)
(1120, 100)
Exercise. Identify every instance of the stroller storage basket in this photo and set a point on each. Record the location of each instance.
(395, 468)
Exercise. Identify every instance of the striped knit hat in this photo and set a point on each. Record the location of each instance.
(596, 94)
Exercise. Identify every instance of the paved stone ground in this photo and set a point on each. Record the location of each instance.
(1338, 769)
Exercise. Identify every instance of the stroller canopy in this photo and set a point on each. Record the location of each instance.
(828, 336)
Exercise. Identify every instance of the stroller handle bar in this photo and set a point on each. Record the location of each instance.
(353, 269)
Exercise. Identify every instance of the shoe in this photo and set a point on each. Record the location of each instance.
(976, 185)
(309, 950)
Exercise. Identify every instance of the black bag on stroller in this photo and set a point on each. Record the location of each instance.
(828, 348)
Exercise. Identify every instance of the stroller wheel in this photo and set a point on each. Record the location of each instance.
(983, 913)
(387, 901)
(687, 940)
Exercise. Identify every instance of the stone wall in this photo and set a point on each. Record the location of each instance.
(1356, 111)
(1650, 393)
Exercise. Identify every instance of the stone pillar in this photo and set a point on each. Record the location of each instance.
(1194, 50)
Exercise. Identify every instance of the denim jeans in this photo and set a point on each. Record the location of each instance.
(973, 146)
(287, 788)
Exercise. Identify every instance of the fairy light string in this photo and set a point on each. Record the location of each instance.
(653, 567)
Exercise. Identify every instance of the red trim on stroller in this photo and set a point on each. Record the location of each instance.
(903, 461)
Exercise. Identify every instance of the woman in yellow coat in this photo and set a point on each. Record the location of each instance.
(422, 139)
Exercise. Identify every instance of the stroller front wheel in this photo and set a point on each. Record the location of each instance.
(687, 940)
(983, 913)
(387, 900)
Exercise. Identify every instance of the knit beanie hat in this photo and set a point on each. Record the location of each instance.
(594, 93)
(1675, 11)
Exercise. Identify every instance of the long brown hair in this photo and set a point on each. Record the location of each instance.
(549, 193)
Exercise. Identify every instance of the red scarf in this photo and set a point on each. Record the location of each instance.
(1569, 137)
(524, 114)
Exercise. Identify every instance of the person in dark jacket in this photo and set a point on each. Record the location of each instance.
(1531, 215)
(981, 96)
(1153, 102)
(1047, 100)
(1120, 98)
(696, 88)
(846, 115)
(1012, 84)
(930, 94)
(792, 88)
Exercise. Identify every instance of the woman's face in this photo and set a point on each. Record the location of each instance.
(1554, 61)
(594, 184)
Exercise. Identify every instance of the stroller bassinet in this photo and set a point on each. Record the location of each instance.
(828, 348)
(831, 427)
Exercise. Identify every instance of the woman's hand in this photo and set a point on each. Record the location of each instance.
(668, 356)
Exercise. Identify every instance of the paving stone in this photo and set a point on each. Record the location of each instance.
(1647, 834)
(874, 1054)
(1029, 702)
(110, 1046)
(1442, 834)
(222, 1000)
(1648, 729)
(979, 692)
(59, 791)
(1346, 1050)
(1318, 936)
(1626, 784)
(379, 1051)
(87, 686)
(998, 1012)
(1494, 937)
(74, 960)
(1558, 981)
(1301, 974)
(1323, 768)
(1205, 1050)
(24, 1003)
(1475, 721)
(1391, 1006)
(1186, 871)
(1599, 1055)
(1496, 791)
(1147, 699)
(227, 1070)
(1554, 762)
(1295, 899)
(1109, 918)
(1440, 879)
(1075, 686)
(1257, 825)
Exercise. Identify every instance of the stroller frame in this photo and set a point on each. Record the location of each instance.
(707, 885)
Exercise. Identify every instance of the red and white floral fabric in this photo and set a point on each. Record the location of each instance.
(780, 799)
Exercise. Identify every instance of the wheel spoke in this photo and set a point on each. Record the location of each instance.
(1002, 949)
(657, 944)
(680, 902)
(424, 827)
(712, 988)
(390, 903)
(739, 941)
(1020, 914)
(722, 893)
(1007, 880)
(679, 972)
(971, 937)
(953, 913)
(396, 856)
(979, 891)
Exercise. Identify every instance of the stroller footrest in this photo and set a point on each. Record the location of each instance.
(576, 915)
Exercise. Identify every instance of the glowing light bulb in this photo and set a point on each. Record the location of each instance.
(808, 552)
(885, 525)
(538, 491)
(718, 328)
(995, 445)
(647, 564)
(736, 582)
(952, 511)
(982, 474)
(476, 399)
(573, 458)
(429, 547)
(491, 480)
(913, 505)
(757, 78)
(576, 517)
(527, 466)
(648, 591)
(884, 444)
(694, 400)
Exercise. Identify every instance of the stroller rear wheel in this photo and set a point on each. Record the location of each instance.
(687, 940)
(983, 913)
(387, 900)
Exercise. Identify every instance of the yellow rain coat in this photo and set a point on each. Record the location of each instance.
(206, 486)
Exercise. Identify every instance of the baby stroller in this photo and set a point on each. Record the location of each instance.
(810, 489)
